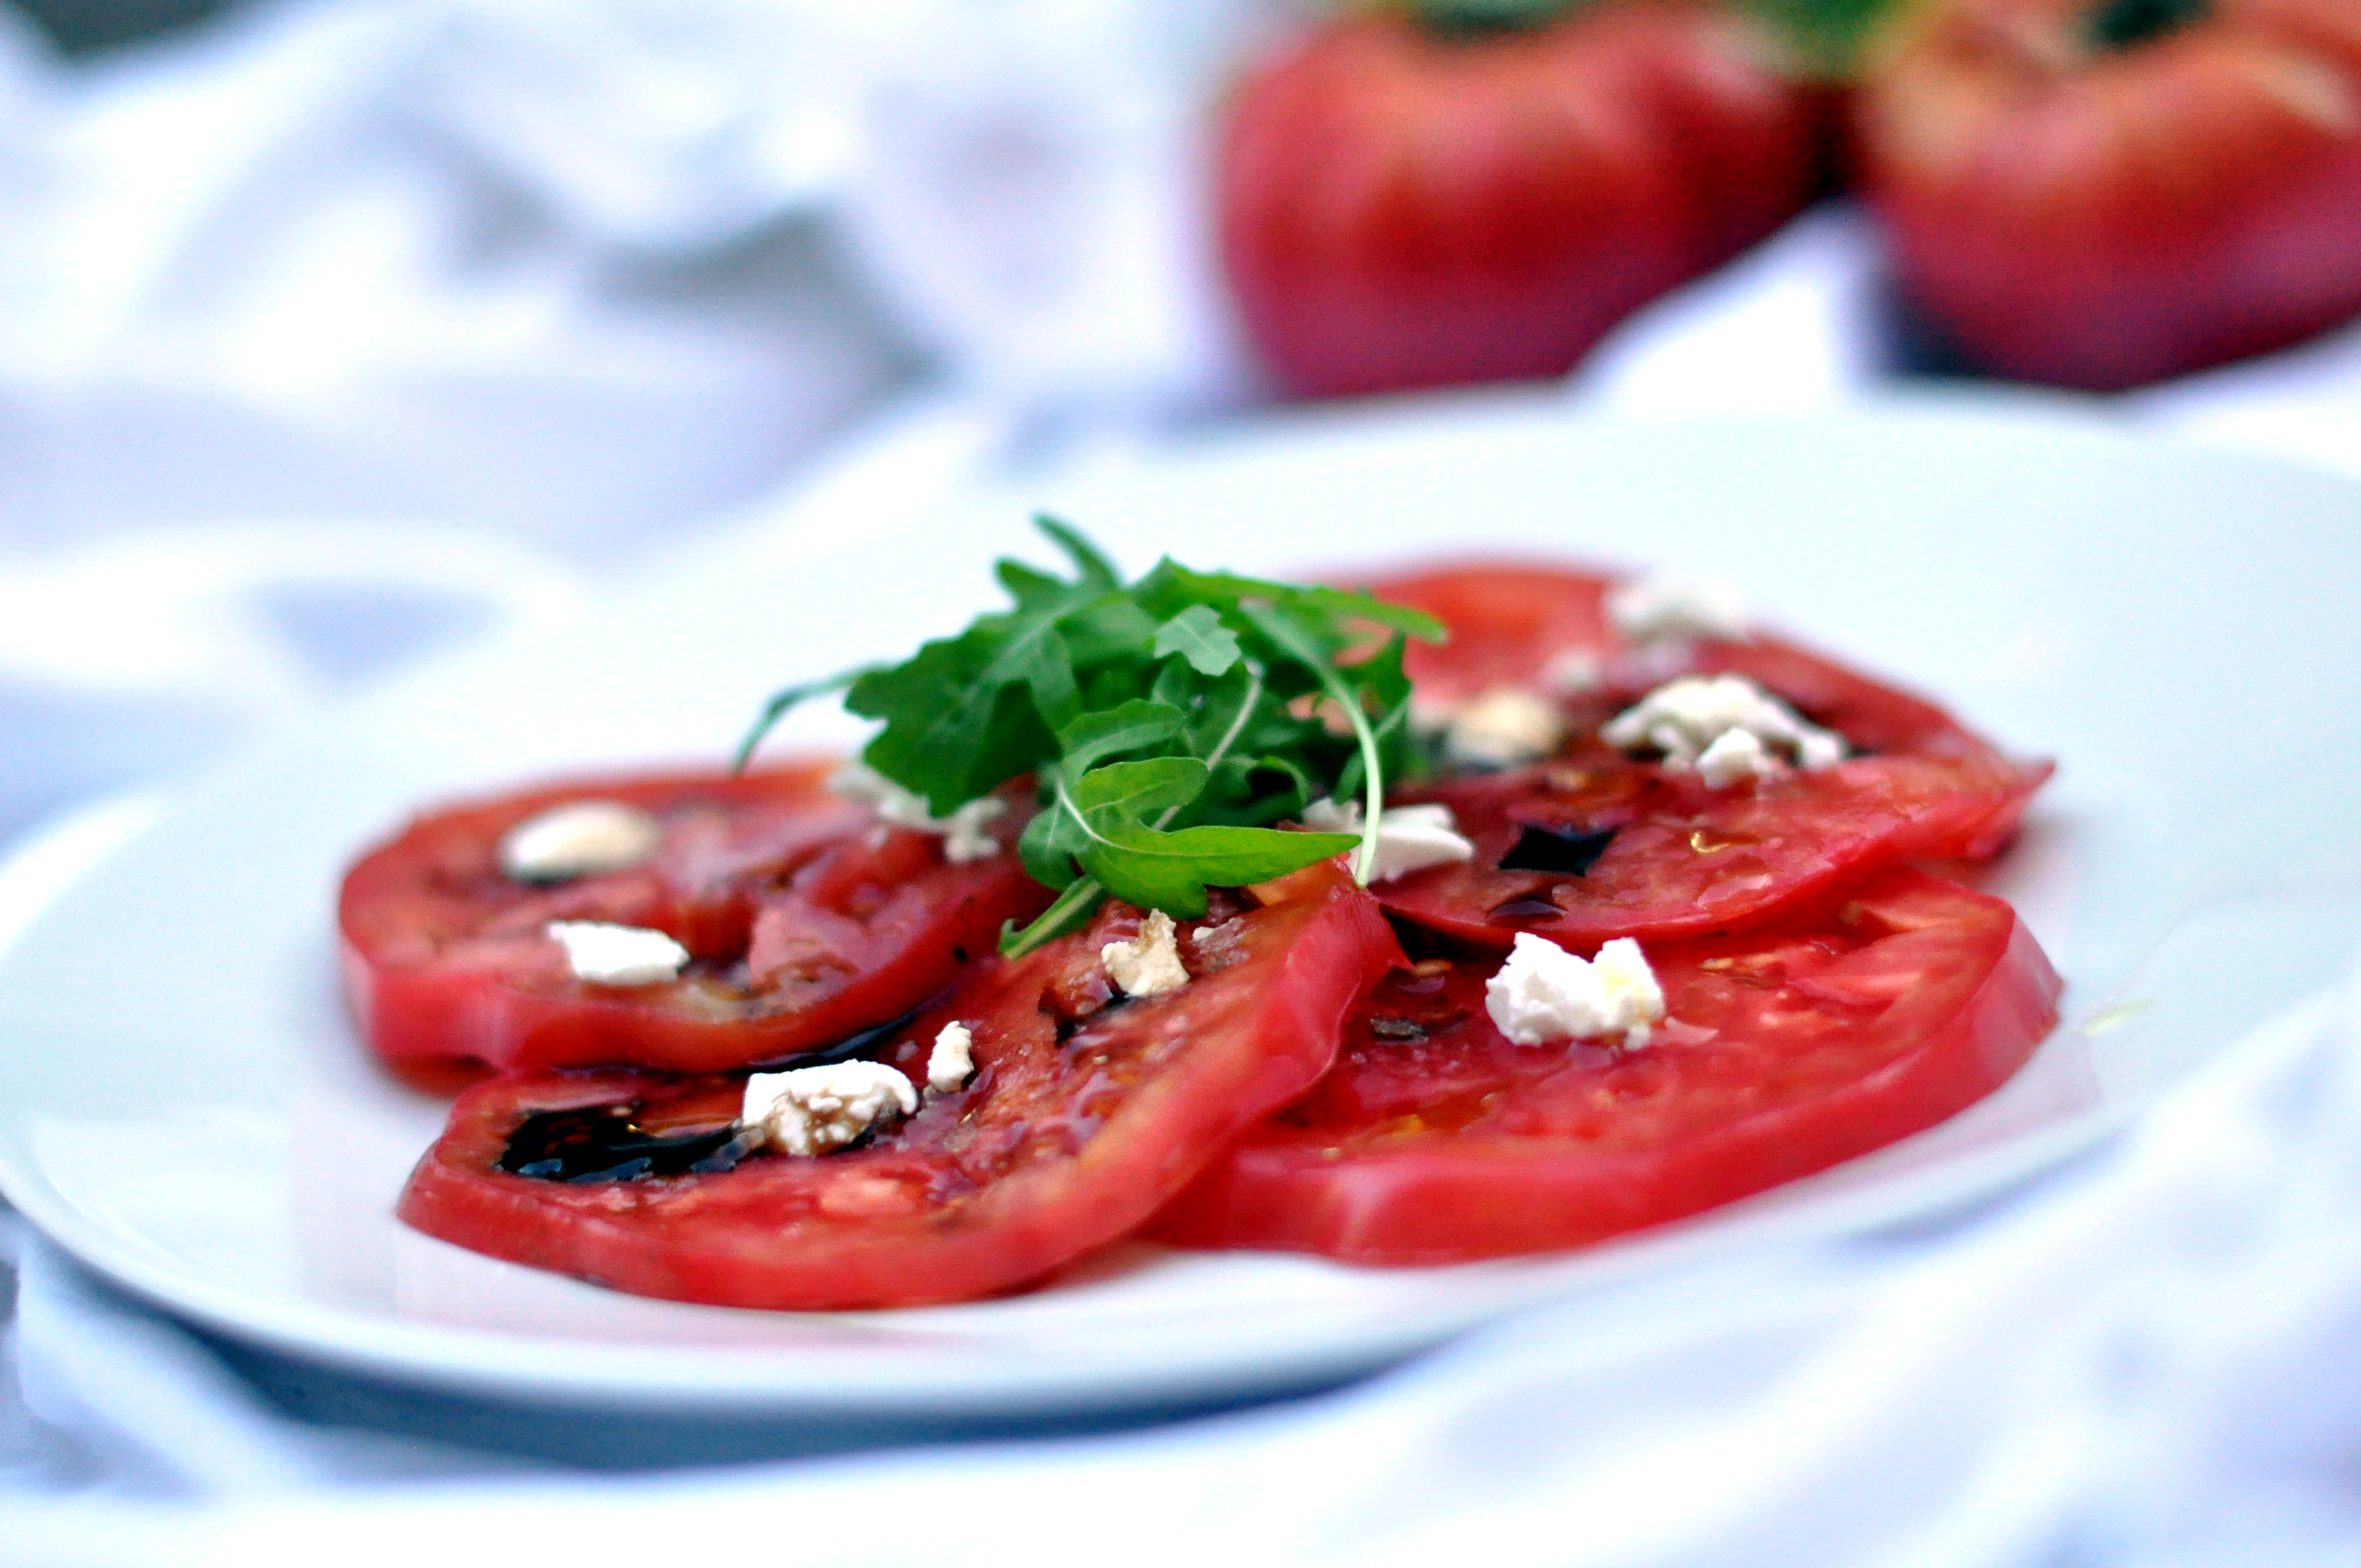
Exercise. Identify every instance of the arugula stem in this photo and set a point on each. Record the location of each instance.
(777, 709)
(1365, 862)
(1082, 898)
(1229, 737)
(1275, 624)
(1072, 907)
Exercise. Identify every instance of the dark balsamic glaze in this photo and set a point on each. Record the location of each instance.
(602, 1142)
(1524, 912)
(1407, 1031)
(852, 1046)
(1573, 850)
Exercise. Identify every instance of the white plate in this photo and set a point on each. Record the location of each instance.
(183, 1107)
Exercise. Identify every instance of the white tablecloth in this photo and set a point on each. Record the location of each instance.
(346, 331)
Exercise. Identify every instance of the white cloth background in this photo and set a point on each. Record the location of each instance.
(343, 330)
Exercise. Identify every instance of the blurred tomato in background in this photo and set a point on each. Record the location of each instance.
(1455, 192)
(2092, 194)
(2104, 192)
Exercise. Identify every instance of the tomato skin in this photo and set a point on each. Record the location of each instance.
(1685, 860)
(443, 957)
(2103, 219)
(1056, 1147)
(1474, 1147)
(1402, 208)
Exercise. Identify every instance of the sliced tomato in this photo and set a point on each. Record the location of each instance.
(1086, 1113)
(1683, 858)
(1509, 621)
(806, 920)
(1784, 1051)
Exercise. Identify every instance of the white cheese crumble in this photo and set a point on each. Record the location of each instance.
(952, 1061)
(1149, 964)
(581, 838)
(1410, 837)
(1544, 993)
(1505, 728)
(815, 1110)
(1692, 721)
(1665, 609)
(606, 954)
(963, 831)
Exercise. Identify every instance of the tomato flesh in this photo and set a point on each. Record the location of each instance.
(1082, 1120)
(806, 922)
(1684, 859)
(1784, 1051)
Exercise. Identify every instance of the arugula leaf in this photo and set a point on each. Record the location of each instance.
(1167, 724)
(1095, 569)
(1197, 635)
(1172, 871)
(1134, 725)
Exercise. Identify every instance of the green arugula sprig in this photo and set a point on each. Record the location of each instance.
(1167, 724)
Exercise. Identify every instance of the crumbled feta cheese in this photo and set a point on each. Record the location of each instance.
(952, 1061)
(1663, 610)
(963, 831)
(1505, 728)
(1544, 993)
(815, 1110)
(1149, 964)
(581, 838)
(1410, 837)
(1735, 754)
(606, 954)
(1691, 720)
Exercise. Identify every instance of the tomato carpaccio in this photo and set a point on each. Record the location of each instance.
(806, 920)
(1784, 1049)
(1087, 1110)
(1683, 858)
(1822, 1001)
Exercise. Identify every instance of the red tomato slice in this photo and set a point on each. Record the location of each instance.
(1082, 1118)
(1784, 1050)
(805, 921)
(1684, 860)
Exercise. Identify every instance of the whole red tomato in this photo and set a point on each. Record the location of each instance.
(1402, 206)
(2100, 195)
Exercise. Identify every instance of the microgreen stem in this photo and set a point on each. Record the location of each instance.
(1072, 909)
(1364, 861)
(777, 709)
(1076, 903)
(1229, 737)
(1283, 631)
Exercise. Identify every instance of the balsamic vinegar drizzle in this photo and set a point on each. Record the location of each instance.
(1570, 850)
(1526, 911)
(602, 1142)
(852, 1046)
